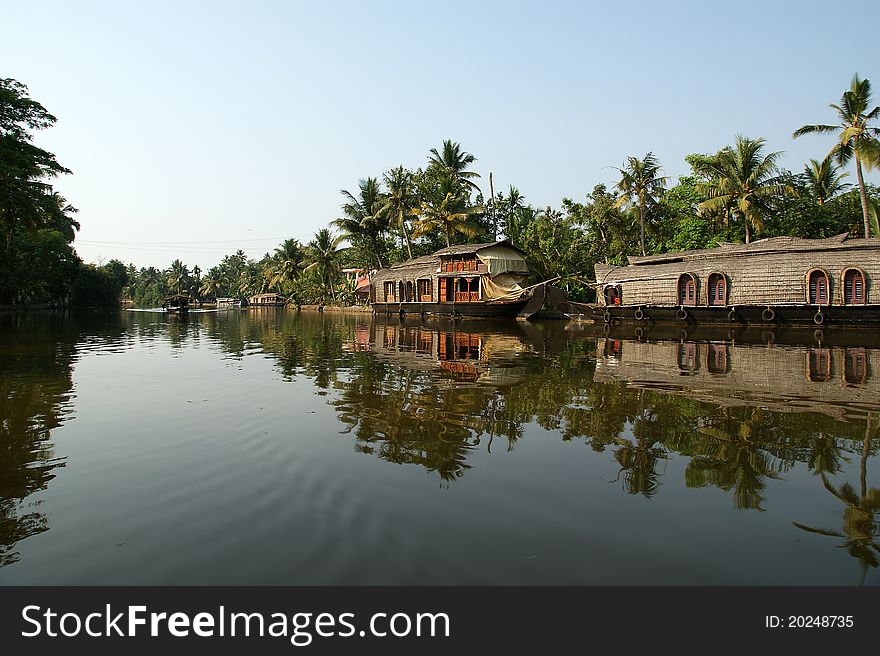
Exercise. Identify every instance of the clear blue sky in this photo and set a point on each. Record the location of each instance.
(230, 121)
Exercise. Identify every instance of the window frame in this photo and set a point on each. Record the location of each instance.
(808, 285)
(843, 275)
(678, 288)
(710, 289)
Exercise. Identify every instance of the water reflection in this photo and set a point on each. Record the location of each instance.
(734, 413)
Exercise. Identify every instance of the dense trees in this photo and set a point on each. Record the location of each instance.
(734, 194)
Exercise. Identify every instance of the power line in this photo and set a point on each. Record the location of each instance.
(172, 243)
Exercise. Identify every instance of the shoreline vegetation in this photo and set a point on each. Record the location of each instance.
(737, 193)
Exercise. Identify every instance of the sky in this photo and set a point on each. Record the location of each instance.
(197, 128)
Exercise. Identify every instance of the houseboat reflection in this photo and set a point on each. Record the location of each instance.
(835, 380)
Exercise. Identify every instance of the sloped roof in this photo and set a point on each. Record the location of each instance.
(473, 248)
(770, 245)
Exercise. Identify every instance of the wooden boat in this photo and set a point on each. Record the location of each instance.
(781, 280)
(177, 303)
(473, 280)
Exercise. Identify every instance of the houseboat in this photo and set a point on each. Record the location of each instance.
(270, 299)
(177, 303)
(227, 303)
(473, 280)
(781, 280)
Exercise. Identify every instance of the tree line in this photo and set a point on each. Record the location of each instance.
(734, 194)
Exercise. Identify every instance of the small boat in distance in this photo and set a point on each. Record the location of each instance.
(177, 303)
(780, 280)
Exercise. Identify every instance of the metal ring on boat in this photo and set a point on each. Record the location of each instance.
(769, 314)
(607, 316)
(819, 318)
(682, 314)
(639, 315)
(731, 316)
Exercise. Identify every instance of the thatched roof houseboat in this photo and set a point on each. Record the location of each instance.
(476, 280)
(776, 280)
(270, 299)
(178, 303)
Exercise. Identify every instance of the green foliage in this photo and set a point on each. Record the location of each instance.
(27, 201)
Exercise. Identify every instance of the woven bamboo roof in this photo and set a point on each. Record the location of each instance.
(769, 245)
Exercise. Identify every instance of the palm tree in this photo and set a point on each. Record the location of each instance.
(454, 159)
(445, 209)
(856, 139)
(178, 276)
(744, 179)
(286, 264)
(510, 209)
(210, 287)
(641, 186)
(401, 202)
(363, 221)
(825, 179)
(323, 254)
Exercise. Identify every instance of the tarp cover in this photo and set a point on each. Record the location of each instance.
(501, 259)
(504, 286)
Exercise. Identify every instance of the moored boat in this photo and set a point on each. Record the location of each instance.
(472, 280)
(781, 280)
(177, 303)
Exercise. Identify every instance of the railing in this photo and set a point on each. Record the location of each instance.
(465, 265)
(427, 298)
(466, 296)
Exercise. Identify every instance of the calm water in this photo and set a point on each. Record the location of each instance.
(266, 447)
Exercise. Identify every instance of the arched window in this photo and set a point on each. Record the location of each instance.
(613, 295)
(819, 365)
(818, 289)
(688, 357)
(854, 290)
(717, 289)
(687, 289)
(855, 365)
(716, 359)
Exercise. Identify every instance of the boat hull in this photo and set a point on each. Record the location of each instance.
(477, 309)
(808, 315)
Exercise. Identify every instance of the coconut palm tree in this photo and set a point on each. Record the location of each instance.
(323, 254)
(452, 158)
(402, 202)
(363, 221)
(744, 179)
(640, 186)
(178, 276)
(445, 209)
(286, 264)
(210, 287)
(856, 138)
(825, 179)
(510, 208)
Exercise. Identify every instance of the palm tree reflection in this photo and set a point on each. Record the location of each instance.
(860, 524)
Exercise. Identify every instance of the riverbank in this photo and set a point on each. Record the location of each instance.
(339, 309)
